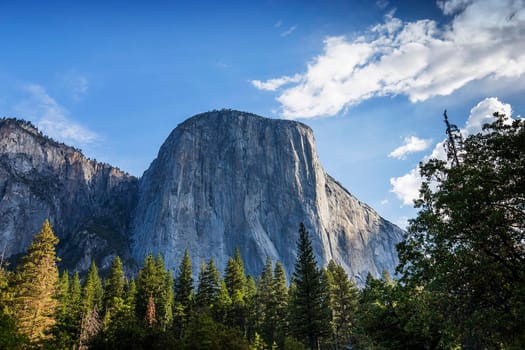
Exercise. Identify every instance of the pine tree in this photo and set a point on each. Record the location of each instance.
(130, 295)
(251, 308)
(150, 282)
(75, 298)
(235, 280)
(344, 296)
(165, 302)
(234, 276)
(184, 284)
(267, 303)
(92, 290)
(222, 305)
(184, 296)
(209, 285)
(63, 294)
(281, 303)
(10, 338)
(36, 286)
(114, 291)
(310, 315)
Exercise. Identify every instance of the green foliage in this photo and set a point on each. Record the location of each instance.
(92, 290)
(35, 288)
(309, 305)
(343, 303)
(114, 291)
(466, 244)
(204, 333)
(291, 343)
(235, 281)
(184, 296)
(266, 297)
(10, 338)
(209, 285)
(150, 282)
(281, 303)
(165, 302)
(392, 316)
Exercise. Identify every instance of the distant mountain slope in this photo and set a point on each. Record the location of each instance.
(88, 203)
(226, 178)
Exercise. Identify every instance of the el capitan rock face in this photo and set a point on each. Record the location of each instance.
(227, 179)
(221, 180)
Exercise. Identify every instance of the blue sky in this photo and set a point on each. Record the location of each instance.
(372, 78)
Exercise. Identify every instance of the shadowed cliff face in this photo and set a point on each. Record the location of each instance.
(226, 179)
(88, 203)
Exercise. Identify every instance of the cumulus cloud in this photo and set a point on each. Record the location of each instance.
(52, 118)
(411, 144)
(419, 59)
(406, 187)
(274, 84)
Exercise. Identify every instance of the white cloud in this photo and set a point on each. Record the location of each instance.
(52, 119)
(274, 84)
(453, 6)
(384, 202)
(419, 59)
(483, 114)
(411, 144)
(406, 187)
(278, 24)
(382, 4)
(289, 31)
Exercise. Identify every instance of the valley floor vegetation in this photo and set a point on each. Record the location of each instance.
(460, 283)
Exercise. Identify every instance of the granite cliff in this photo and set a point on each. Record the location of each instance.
(88, 203)
(221, 180)
(225, 178)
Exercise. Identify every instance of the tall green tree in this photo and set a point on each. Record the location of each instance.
(235, 280)
(165, 302)
(150, 282)
(36, 286)
(92, 291)
(209, 285)
(344, 299)
(281, 303)
(114, 291)
(184, 296)
(466, 243)
(267, 303)
(10, 338)
(309, 311)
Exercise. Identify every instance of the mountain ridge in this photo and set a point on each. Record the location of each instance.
(269, 166)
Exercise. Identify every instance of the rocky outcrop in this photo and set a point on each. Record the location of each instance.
(221, 180)
(227, 179)
(88, 203)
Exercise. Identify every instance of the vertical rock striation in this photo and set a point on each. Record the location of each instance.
(226, 178)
